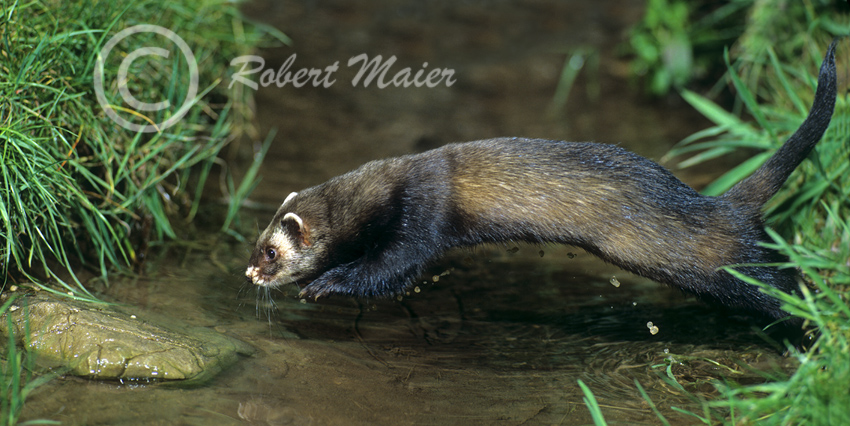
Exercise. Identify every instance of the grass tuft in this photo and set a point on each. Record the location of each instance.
(75, 187)
(78, 190)
(809, 218)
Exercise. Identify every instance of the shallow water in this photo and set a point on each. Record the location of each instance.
(503, 337)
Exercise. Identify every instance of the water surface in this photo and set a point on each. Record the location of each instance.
(503, 335)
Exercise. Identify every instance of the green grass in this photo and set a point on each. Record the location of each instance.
(678, 41)
(592, 405)
(809, 219)
(817, 393)
(17, 377)
(77, 189)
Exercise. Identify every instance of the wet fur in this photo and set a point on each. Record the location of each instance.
(370, 232)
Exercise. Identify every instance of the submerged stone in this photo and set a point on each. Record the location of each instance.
(103, 342)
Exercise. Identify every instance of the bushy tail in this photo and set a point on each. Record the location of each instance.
(766, 181)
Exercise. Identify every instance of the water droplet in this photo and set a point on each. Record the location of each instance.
(652, 328)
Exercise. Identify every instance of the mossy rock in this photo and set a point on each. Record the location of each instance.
(106, 343)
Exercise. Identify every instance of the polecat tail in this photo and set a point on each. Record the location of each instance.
(766, 181)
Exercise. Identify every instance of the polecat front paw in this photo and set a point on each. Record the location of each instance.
(333, 281)
(354, 279)
(316, 289)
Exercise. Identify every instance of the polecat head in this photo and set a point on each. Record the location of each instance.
(284, 252)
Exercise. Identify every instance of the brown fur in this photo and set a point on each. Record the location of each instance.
(370, 232)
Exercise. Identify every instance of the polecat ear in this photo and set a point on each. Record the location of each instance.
(301, 232)
(288, 197)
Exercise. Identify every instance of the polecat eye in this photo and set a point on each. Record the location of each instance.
(271, 254)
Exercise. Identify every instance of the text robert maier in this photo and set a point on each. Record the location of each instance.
(375, 69)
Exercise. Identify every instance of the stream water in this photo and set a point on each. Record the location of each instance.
(500, 336)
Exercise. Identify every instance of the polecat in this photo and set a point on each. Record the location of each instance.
(370, 232)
